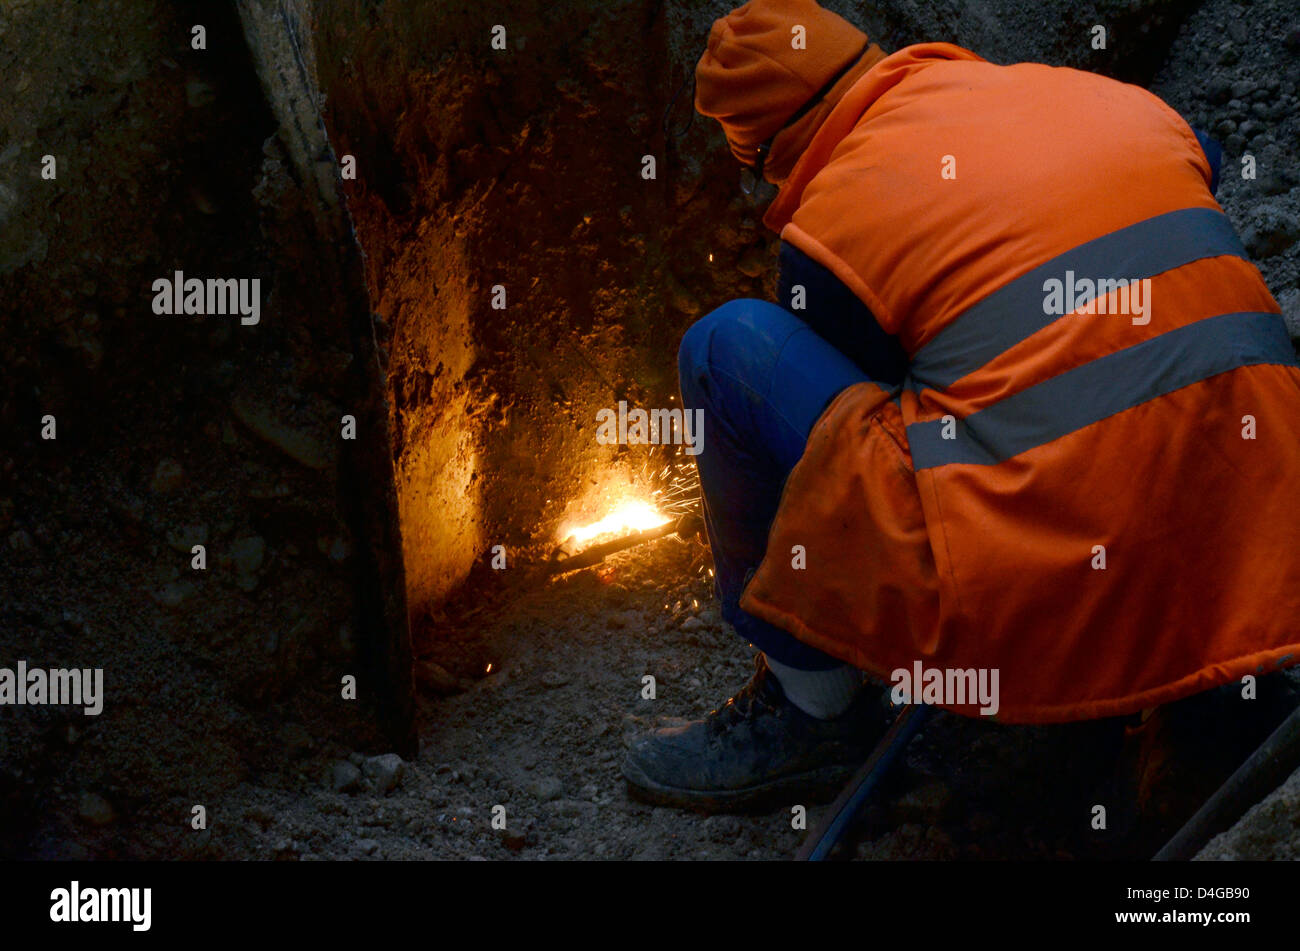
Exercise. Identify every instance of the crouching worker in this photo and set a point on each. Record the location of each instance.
(1026, 412)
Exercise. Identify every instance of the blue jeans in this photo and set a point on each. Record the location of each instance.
(762, 377)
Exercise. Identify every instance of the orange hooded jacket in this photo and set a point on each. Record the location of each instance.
(1099, 505)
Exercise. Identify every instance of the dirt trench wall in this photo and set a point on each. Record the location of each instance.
(171, 431)
(517, 174)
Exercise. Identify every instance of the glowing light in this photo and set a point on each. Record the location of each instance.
(489, 669)
(633, 515)
(710, 258)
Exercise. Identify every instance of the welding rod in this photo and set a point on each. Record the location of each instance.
(562, 561)
(854, 796)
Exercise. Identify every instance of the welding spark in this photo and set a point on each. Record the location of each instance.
(680, 494)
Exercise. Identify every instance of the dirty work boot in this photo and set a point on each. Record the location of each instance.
(758, 751)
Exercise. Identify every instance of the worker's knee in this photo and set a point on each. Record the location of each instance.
(743, 326)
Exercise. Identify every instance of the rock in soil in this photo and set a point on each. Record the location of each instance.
(385, 772)
(95, 810)
(345, 777)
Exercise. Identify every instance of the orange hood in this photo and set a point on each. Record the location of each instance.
(764, 62)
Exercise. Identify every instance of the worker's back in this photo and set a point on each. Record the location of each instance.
(1097, 504)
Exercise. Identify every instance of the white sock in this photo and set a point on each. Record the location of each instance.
(824, 694)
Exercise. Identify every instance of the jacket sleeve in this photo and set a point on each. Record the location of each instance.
(838, 316)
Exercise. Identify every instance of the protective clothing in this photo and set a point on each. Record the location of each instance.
(765, 72)
(1087, 480)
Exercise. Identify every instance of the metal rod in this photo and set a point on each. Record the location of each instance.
(562, 562)
(854, 796)
(1262, 772)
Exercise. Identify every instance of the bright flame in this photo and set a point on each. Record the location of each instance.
(630, 516)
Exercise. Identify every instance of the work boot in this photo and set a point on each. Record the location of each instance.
(758, 751)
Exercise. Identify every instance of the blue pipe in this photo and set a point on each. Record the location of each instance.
(858, 790)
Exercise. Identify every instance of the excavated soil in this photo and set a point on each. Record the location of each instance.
(543, 734)
(530, 700)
